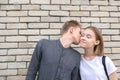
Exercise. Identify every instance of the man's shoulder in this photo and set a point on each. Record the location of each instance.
(75, 53)
(46, 41)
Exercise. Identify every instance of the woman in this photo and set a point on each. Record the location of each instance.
(91, 67)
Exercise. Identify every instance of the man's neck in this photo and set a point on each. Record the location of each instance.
(65, 41)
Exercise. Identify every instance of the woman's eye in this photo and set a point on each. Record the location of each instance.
(88, 36)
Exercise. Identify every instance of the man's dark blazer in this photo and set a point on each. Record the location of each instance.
(53, 62)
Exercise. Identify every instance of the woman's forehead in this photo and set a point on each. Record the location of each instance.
(88, 31)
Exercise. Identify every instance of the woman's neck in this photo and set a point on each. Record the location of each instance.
(89, 54)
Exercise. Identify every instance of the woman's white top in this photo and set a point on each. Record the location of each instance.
(94, 70)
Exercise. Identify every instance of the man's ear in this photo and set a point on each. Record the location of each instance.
(71, 29)
(97, 42)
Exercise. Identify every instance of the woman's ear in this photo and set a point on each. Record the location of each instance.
(97, 42)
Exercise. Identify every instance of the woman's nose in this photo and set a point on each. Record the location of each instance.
(83, 38)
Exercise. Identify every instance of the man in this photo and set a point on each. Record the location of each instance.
(55, 59)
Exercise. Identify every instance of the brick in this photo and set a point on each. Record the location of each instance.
(8, 32)
(16, 38)
(28, 64)
(56, 25)
(108, 8)
(8, 45)
(7, 58)
(114, 20)
(80, 2)
(23, 58)
(59, 13)
(2, 13)
(79, 13)
(118, 76)
(29, 19)
(40, 1)
(115, 3)
(2, 78)
(114, 56)
(18, 1)
(115, 14)
(9, 19)
(106, 38)
(49, 31)
(16, 65)
(50, 19)
(112, 44)
(107, 50)
(75, 46)
(116, 38)
(81, 50)
(30, 7)
(90, 8)
(100, 14)
(2, 39)
(3, 65)
(54, 37)
(16, 26)
(38, 25)
(30, 51)
(36, 38)
(10, 7)
(89, 19)
(66, 7)
(38, 13)
(3, 1)
(99, 2)
(50, 7)
(8, 72)
(115, 25)
(16, 77)
(27, 45)
(110, 31)
(101, 25)
(115, 50)
(29, 32)
(84, 25)
(2, 26)
(17, 51)
(116, 64)
(60, 1)
(63, 19)
(118, 69)
(3, 52)
(17, 13)
(22, 71)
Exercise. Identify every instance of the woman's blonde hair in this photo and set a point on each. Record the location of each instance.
(98, 49)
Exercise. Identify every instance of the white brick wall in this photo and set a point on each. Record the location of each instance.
(10, 7)
(17, 13)
(40, 1)
(30, 7)
(18, 1)
(9, 19)
(24, 22)
(3, 1)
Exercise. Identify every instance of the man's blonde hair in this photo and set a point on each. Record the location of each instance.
(68, 24)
